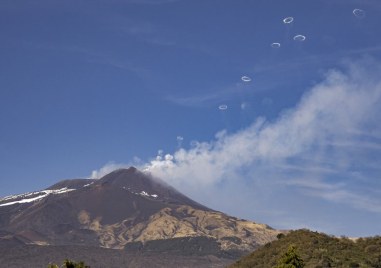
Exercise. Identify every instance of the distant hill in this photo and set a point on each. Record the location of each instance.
(126, 210)
(318, 250)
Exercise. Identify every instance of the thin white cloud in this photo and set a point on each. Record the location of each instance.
(338, 193)
(93, 56)
(214, 97)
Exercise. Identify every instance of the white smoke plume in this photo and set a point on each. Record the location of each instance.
(325, 149)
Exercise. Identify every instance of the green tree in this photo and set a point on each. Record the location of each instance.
(70, 264)
(290, 259)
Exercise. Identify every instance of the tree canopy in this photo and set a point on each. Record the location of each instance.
(290, 259)
(69, 264)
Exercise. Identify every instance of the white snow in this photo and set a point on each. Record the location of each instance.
(87, 185)
(28, 200)
(18, 196)
(144, 193)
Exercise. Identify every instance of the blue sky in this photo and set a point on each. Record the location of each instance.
(89, 86)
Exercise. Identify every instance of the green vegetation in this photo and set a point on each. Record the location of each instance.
(69, 264)
(316, 250)
(290, 259)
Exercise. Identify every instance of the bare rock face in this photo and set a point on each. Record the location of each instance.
(124, 209)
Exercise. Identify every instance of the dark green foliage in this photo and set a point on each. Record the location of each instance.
(354, 265)
(70, 264)
(290, 259)
(280, 236)
(317, 251)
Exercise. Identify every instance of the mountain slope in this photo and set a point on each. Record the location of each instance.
(121, 209)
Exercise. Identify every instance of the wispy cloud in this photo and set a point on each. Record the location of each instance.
(337, 192)
(213, 97)
(93, 56)
(284, 71)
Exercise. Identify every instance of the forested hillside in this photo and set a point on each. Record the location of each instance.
(317, 250)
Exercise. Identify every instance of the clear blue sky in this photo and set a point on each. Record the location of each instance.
(109, 83)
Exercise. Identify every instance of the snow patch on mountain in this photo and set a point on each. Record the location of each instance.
(142, 193)
(37, 196)
(87, 185)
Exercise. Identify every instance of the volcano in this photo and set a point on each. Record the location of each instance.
(126, 210)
